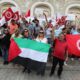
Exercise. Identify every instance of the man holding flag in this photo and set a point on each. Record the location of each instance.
(59, 54)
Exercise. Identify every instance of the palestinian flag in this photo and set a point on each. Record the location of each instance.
(29, 53)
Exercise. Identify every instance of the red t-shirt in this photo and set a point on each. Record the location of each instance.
(60, 49)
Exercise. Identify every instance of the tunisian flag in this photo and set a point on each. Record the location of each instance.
(8, 14)
(16, 16)
(73, 42)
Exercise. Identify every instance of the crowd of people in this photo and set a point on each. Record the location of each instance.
(50, 34)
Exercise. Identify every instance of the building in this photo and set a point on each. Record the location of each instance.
(37, 7)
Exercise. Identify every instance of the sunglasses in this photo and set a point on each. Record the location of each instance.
(41, 32)
(25, 31)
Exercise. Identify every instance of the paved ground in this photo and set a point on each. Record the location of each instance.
(10, 72)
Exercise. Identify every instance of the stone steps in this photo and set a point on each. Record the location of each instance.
(71, 65)
(68, 67)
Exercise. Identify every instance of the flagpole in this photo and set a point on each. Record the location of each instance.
(76, 21)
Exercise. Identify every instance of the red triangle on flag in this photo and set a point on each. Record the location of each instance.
(14, 50)
(8, 14)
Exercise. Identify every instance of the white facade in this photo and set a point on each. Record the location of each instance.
(50, 7)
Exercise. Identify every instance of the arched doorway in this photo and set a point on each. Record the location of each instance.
(74, 9)
(38, 8)
(4, 4)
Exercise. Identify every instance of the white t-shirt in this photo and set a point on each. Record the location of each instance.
(44, 40)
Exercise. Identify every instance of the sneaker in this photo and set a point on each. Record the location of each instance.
(65, 64)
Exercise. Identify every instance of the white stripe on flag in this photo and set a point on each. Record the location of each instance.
(34, 55)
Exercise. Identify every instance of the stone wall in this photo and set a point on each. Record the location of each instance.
(59, 6)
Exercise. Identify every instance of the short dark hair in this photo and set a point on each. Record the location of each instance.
(13, 21)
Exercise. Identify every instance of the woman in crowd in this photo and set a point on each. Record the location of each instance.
(41, 38)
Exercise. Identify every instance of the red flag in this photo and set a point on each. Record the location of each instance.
(14, 50)
(62, 20)
(8, 14)
(73, 44)
(28, 13)
(16, 16)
